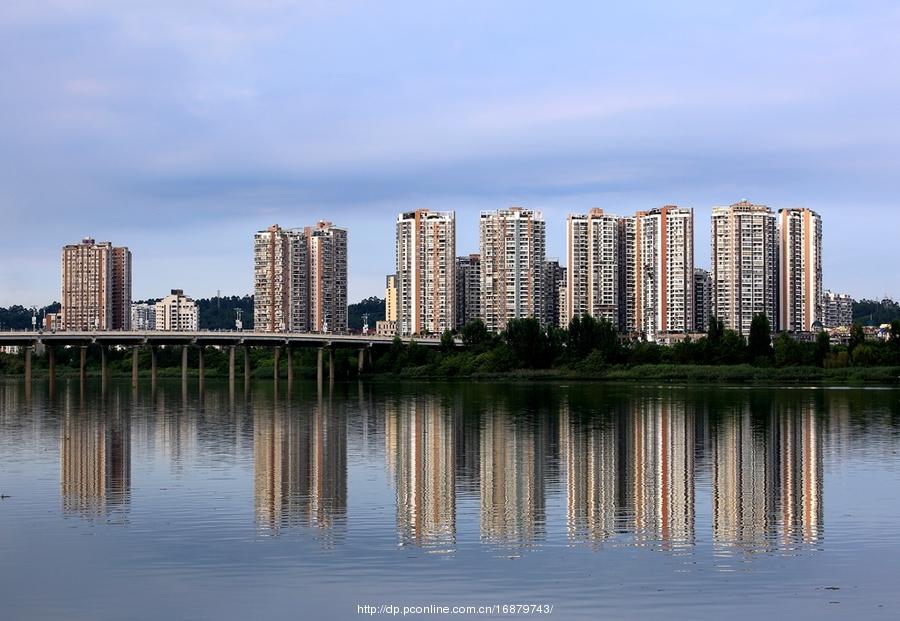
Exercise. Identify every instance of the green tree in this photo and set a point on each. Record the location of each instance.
(587, 335)
(715, 330)
(447, 341)
(857, 337)
(528, 343)
(788, 352)
(823, 347)
(475, 334)
(759, 345)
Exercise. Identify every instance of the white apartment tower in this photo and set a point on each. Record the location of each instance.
(744, 265)
(425, 261)
(592, 281)
(512, 245)
(800, 294)
(96, 287)
(838, 309)
(664, 260)
(300, 279)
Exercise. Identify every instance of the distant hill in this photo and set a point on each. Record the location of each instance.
(373, 305)
(219, 313)
(18, 317)
(874, 312)
(216, 313)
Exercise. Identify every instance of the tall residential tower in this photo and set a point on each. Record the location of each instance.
(800, 294)
(425, 260)
(512, 251)
(744, 270)
(96, 287)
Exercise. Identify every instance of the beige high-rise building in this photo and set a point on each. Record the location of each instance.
(800, 294)
(327, 281)
(177, 312)
(592, 282)
(657, 248)
(390, 298)
(513, 243)
(425, 260)
(744, 265)
(300, 279)
(279, 261)
(96, 287)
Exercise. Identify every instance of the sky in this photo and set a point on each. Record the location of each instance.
(179, 129)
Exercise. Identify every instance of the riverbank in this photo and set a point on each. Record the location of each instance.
(701, 374)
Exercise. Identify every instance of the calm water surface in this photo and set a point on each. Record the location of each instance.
(604, 501)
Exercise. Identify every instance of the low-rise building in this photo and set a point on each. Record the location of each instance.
(386, 327)
(143, 316)
(177, 312)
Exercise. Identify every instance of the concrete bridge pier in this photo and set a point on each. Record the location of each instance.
(82, 367)
(153, 367)
(134, 366)
(246, 369)
(275, 360)
(319, 370)
(231, 368)
(361, 359)
(51, 366)
(201, 366)
(290, 366)
(331, 365)
(184, 357)
(28, 349)
(104, 369)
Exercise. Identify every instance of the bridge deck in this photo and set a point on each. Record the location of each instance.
(207, 337)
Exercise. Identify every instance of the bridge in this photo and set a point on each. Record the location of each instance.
(326, 343)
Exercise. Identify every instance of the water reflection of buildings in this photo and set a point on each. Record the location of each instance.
(512, 478)
(630, 471)
(300, 467)
(95, 461)
(419, 445)
(767, 477)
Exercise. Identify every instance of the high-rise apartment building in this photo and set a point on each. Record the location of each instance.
(468, 289)
(177, 313)
(702, 299)
(838, 310)
(629, 283)
(327, 281)
(553, 284)
(663, 262)
(426, 265)
(800, 301)
(744, 265)
(300, 279)
(512, 250)
(96, 287)
(390, 297)
(279, 283)
(592, 282)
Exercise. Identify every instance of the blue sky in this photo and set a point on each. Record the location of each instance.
(179, 129)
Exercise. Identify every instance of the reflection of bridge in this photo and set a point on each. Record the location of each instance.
(200, 339)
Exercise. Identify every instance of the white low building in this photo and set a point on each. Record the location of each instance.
(177, 312)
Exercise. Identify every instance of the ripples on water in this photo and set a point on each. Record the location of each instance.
(621, 500)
